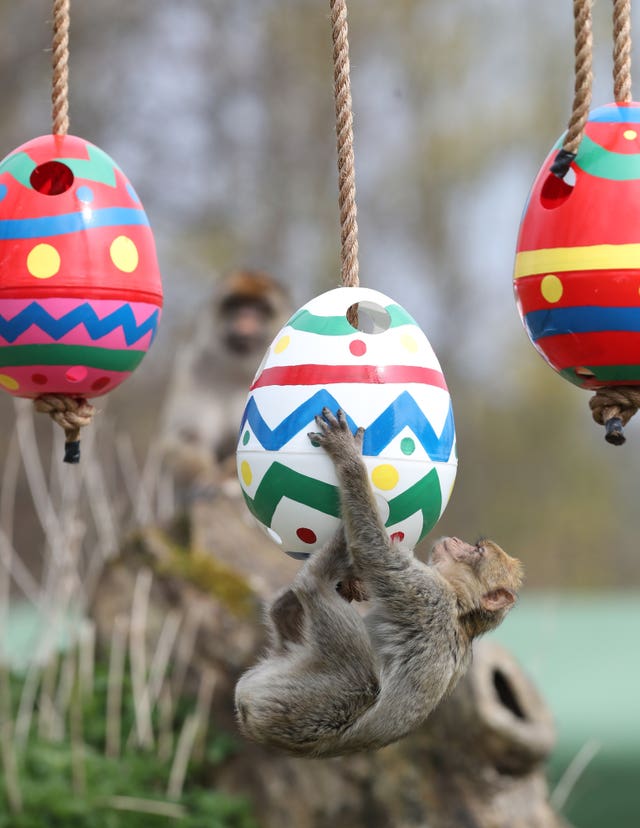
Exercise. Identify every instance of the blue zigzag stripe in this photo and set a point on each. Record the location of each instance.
(35, 314)
(403, 412)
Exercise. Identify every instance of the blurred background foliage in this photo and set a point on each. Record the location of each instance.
(221, 114)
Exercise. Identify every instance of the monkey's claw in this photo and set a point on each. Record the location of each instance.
(335, 435)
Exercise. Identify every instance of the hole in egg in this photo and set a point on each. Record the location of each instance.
(371, 317)
(51, 178)
(76, 374)
(555, 191)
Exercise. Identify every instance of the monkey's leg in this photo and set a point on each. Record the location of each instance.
(333, 629)
(330, 564)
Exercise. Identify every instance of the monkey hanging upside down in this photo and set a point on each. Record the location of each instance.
(335, 682)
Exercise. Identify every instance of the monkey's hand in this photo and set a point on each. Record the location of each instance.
(335, 436)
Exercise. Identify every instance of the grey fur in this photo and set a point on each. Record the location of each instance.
(335, 682)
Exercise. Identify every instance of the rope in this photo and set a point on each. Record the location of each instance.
(613, 408)
(582, 88)
(71, 413)
(622, 50)
(344, 134)
(60, 86)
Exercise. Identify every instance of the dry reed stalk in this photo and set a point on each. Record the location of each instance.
(182, 755)
(138, 658)
(117, 660)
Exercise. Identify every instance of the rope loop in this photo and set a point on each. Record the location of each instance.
(71, 414)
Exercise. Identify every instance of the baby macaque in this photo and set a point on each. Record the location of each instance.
(335, 681)
(212, 376)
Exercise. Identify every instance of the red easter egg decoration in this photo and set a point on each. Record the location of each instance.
(80, 289)
(577, 270)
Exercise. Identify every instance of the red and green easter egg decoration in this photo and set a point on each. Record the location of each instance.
(80, 289)
(577, 270)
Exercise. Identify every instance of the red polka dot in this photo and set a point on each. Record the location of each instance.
(39, 379)
(306, 535)
(397, 537)
(357, 347)
(100, 383)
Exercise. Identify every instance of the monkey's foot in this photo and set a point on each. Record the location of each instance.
(335, 436)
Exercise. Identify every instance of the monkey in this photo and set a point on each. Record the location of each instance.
(212, 375)
(335, 681)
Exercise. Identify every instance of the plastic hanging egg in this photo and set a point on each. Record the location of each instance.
(385, 378)
(577, 270)
(80, 290)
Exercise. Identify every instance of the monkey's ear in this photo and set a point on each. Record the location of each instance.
(498, 599)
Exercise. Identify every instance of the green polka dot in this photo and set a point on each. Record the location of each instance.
(407, 445)
(245, 438)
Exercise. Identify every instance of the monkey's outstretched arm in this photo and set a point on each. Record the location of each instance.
(373, 554)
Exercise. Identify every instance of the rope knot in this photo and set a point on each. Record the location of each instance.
(613, 408)
(71, 414)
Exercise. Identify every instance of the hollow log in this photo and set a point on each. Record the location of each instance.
(483, 750)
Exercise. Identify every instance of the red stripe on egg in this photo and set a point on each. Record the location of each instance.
(332, 374)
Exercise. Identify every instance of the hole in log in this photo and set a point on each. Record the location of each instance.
(507, 695)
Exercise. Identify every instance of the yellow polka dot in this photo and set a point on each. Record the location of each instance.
(409, 343)
(630, 134)
(43, 261)
(385, 477)
(551, 288)
(9, 383)
(282, 344)
(124, 254)
(246, 473)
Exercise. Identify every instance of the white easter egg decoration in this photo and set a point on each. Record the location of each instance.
(385, 377)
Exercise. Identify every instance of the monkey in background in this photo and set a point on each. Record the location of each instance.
(212, 376)
(334, 681)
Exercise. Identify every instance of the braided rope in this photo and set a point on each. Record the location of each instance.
(71, 414)
(583, 86)
(344, 134)
(622, 50)
(60, 85)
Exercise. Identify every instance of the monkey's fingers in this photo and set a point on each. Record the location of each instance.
(330, 418)
(359, 437)
(315, 438)
(322, 424)
(342, 420)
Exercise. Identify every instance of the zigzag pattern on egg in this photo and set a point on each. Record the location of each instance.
(84, 314)
(403, 413)
(281, 482)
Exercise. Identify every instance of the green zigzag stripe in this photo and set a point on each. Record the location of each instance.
(105, 358)
(309, 322)
(279, 481)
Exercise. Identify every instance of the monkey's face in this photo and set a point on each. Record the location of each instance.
(484, 578)
(246, 326)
